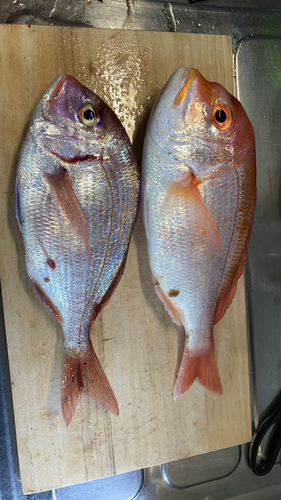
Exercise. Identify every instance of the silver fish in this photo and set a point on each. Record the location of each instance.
(77, 194)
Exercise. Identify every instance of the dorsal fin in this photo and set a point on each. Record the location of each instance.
(224, 302)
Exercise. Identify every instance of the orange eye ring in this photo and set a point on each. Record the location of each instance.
(222, 116)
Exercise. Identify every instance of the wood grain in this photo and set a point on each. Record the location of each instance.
(135, 339)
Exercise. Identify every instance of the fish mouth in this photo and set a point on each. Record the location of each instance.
(189, 75)
(47, 140)
(59, 85)
(62, 138)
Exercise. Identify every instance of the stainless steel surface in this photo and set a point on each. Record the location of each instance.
(255, 27)
(237, 19)
(201, 469)
(259, 87)
(241, 484)
(124, 486)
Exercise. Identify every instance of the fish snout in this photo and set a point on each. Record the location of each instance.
(187, 79)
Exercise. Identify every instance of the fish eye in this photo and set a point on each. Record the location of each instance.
(222, 117)
(89, 115)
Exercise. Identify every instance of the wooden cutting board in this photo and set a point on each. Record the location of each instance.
(135, 339)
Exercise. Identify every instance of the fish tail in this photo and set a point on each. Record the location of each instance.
(72, 386)
(202, 367)
(85, 374)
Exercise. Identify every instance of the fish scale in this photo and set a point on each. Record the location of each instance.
(77, 198)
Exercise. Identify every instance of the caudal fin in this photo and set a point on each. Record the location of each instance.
(85, 374)
(202, 367)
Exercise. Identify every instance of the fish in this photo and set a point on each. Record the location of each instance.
(77, 197)
(198, 203)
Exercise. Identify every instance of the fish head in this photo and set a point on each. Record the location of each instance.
(72, 101)
(72, 122)
(201, 121)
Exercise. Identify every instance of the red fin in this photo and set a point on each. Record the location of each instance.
(198, 211)
(115, 281)
(110, 290)
(224, 302)
(95, 381)
(85, 374)
(47, 301)
(70, 204)
(174, 310)
(72, 387)
(202, 367)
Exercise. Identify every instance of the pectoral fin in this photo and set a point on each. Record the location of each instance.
(199, 214)
(70, 205)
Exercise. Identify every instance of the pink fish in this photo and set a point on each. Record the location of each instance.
(199, 195)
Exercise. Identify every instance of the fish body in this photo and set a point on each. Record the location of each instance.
(77, 195)
(199, 194)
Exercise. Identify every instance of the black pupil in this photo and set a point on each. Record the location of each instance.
(89, 115)
(220, 116)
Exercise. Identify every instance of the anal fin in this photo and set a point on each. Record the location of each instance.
(174, 310)
(47, 301)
